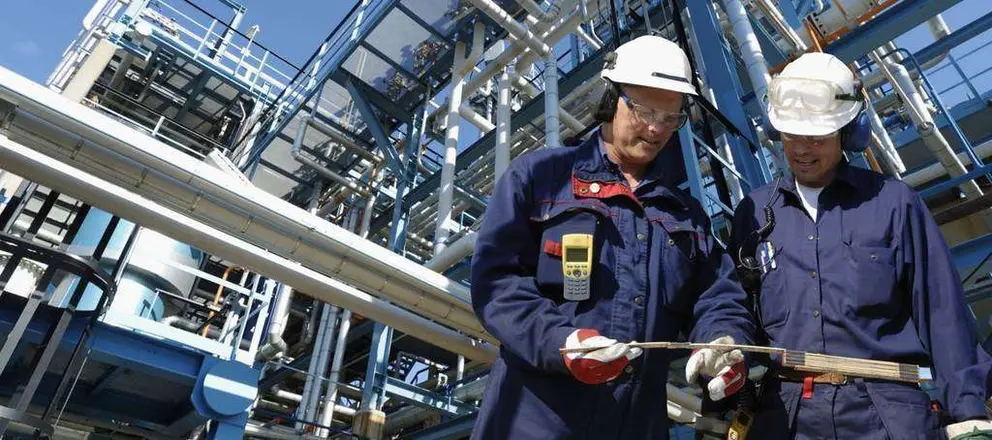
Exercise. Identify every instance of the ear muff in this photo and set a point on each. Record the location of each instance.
(855, 135)
(607, 107)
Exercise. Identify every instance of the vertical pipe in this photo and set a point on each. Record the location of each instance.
(502, 151)
(551, 123)
(447, 190)
(323, 358)
(308, 386)
(750, 50)
(327, 413)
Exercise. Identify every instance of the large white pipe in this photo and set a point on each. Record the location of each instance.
(312, 384)
(885, 144)
(446, 191)
(107, 196)
(517, 30)
(551, 128)
(276, 345)
(97, 144)
(778, 20)
(453, 253)
(475, 118)
(330, 400)
(934, 171)
(323, 355)
(932, 137)
(528, 89)
(750, 50)
(502, 150)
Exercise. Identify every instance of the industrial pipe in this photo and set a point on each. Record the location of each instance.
(750, 50)
(105, 195)
(101, 145)
(461, 65)
(517, 30)
(298, 156)
(276, 345)
(330, 400)
(551, 129)
(932, 137)
(502, 150)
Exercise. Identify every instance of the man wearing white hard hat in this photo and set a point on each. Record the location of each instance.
(845, 261)
(593, 247)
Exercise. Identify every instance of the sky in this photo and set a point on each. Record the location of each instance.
(34, 34)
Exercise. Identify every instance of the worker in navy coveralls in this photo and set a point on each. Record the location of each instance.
(852, 265)
(656, 271)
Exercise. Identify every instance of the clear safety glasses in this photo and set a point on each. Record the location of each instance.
(647, 115)
(815, 141)
(810, 95)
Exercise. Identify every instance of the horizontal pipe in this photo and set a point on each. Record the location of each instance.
(98, 144)
(107, 196)
(936, 170)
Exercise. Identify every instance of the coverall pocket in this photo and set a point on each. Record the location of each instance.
(774, 300)
(905, 411)
(876, 276)
(574, 217)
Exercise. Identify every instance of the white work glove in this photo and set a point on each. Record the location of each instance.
(726, 367)
(599, 366)
(970, 430)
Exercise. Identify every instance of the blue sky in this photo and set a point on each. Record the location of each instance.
(34, 33)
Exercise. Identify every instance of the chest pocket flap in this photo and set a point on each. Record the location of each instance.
(551, 221)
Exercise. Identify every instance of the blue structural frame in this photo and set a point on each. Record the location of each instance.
(133, 353)
(893, 22)
(721, 75)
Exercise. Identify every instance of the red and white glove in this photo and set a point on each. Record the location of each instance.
(726, 367)
(599, 366)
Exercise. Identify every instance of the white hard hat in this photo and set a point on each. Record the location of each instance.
(650, 61)
(815, 95)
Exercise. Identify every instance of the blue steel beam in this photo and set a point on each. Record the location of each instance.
(453, 429)
(397, 66)
(116, 346)
(971, 253)
(417, 19)
(372, 122)
(375, 97)
(891, 23)
(954, 39)
(329, 63)
(427, 399)
(720, 71)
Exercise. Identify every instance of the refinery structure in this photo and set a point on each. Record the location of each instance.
(200, 238)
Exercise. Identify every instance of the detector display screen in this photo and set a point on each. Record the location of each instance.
(576, 254)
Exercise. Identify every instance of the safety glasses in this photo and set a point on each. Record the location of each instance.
(808, 140)
(647, 115)
(810, 95)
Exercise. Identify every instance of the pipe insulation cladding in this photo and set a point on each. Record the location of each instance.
(97, 144)
(100, 193)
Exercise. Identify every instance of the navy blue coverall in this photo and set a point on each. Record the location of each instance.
(870, 278)
(656, 271)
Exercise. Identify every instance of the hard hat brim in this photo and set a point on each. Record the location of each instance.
(652, 82)
(811, 124)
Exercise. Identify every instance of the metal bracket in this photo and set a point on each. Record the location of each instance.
(7, 112)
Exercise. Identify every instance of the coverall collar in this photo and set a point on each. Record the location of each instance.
(592, 164)
(844, 176)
